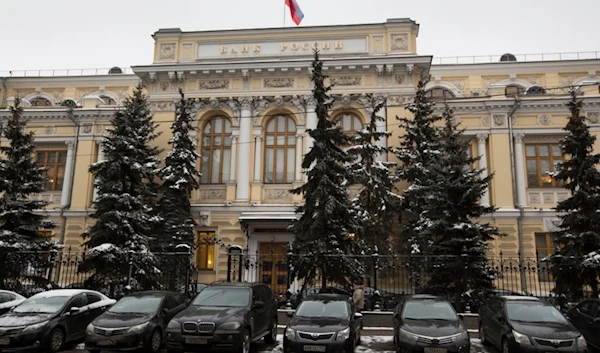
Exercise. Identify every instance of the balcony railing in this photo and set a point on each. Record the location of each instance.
(66, 72)
(479, 59)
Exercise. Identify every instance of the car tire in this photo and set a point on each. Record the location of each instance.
(505, 346)
(482, 337)
(271, 337)
(245, 342)
(156, 342)
(56, 340)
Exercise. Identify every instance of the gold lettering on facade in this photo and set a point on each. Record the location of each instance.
(223, 49)
(256, 48)
(244, 49)
(294, 46)
(326, 45)
(305, 46)
(339, 44)
(283, 46)
(315, 45)
(233, 50)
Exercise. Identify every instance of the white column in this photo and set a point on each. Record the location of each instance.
(99, 159)
(258, 152)
(520, 169)
(311, 122)
(298, 170)
(243, 172)
(482, 150)
(235, 134)
(382, 126)
(68, 179)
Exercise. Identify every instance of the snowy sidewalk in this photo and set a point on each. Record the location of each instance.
(369, 344)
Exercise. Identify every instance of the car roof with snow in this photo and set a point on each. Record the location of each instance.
(520, 297)
(64, 293)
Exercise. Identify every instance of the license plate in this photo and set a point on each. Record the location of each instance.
(107, 343)
(196, 340)
(435, 350)
(4, 341)
(314, 348)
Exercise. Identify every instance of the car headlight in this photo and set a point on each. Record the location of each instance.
(343, 334)
(581, 342)
(408, 336)
(174, 325)
(230, 325)
(521, 338)
(290, 333)
(35, 327)
(90, 328)
(138, 328)
(463, 336)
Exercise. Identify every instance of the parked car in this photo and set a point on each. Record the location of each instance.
(225, 316)
(323, 323)
(585, 316)
(48, 320)
(429, 324)
(138, 320)
(523, 323)
(9, 300)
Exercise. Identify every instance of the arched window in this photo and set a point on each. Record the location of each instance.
(40, 102)
(107, 100)
(514, 90)
(216, 151)
(349, 123)
(536, 91)
(439, 94)
(280, 150)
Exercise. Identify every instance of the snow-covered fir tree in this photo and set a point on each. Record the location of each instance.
(576, 264)
(419, 153)
(180, 178)
(125, 214)
(21, 177)
(458, 242)
(376, 203)
(322, 246)
(176, 235)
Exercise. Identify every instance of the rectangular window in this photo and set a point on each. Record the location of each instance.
(205, 252)
(542, 159)
(55, 162)
(545, 245)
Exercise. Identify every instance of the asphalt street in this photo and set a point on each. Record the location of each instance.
(370, 344)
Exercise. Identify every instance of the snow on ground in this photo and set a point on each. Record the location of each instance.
(369, 344)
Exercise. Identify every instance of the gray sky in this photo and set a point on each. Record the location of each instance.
(42, 34)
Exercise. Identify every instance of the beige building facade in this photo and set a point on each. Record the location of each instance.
(254, 107)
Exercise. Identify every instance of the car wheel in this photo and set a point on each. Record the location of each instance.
(57, 339)
(155, 341)
(271, 337)
(505, 347)
(245, 343)
(482, 337)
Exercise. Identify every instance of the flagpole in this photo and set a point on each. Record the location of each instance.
(284, 14)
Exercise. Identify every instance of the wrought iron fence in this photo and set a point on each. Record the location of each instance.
(394, 276)
(40, 271)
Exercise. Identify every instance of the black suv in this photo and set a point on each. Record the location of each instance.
(225, 316)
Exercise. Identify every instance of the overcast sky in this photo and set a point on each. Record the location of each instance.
(42, 34)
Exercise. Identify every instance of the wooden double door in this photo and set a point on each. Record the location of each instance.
(273, 266)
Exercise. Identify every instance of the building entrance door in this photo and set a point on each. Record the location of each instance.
(273, 267)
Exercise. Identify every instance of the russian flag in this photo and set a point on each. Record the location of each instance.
(295, 11)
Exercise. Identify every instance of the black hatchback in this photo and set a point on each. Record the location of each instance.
(527, 325)
(586, 317)
(428, 324)
(137, 321)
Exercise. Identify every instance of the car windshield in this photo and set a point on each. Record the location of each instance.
(41, 304)
(534, 312)
(137, 305)
(318, 308)
(227, 297)
(5, 297)
(428, 309)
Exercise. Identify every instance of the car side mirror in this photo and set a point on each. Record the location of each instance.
(397, 316)
(165, 311)
(258, 304)
(289, 313)
(461, 317)
(74, 310)
(358, 315)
